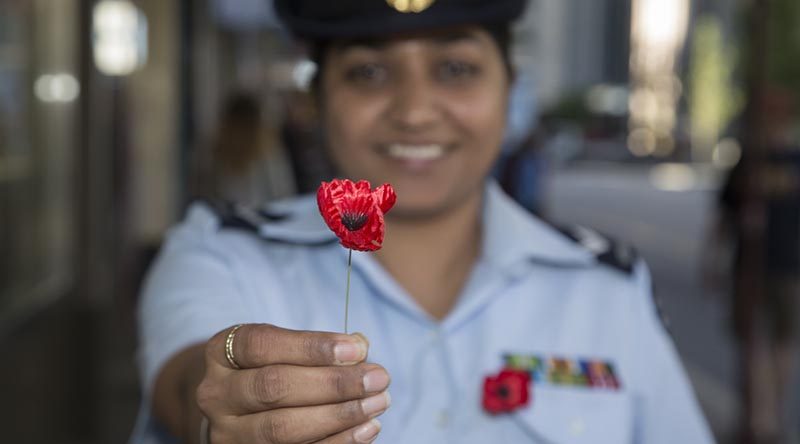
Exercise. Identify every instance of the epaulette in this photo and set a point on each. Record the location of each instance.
(617, 255)
(266, 223)
(234, 215)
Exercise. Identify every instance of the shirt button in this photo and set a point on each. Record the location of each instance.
(442, 419)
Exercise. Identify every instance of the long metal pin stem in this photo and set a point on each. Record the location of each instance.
(347, 292)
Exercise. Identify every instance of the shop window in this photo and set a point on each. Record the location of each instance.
(39, 91)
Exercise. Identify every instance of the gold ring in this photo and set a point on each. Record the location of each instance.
(229, 347)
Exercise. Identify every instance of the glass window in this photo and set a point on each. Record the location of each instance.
(38, 119)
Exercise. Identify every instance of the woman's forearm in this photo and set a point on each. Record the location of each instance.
(174, 399)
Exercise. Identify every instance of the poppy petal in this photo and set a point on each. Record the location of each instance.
(385, 197)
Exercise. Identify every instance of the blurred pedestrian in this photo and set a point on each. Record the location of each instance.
(302, 137)
(245, 163)
(766, 281)
(521, 169)
(523, 173)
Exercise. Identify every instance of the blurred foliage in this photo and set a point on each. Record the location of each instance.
(784, 46)
(570, 108)
(713, 98)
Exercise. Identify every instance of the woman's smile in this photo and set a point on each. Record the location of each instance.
(415, 158)
(424, 112)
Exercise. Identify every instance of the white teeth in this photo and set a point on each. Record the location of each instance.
(416, 152)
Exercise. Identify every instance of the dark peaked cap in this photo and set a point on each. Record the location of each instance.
(328, 19)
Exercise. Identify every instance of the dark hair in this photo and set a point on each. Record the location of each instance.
(499, 32)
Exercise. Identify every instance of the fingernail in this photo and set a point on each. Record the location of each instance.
(365, 340)
(367, 432)
(362, 337)
(376, 380)
(349, 352)
(376, 404)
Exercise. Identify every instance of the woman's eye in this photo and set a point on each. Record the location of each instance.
(455, 70)
(367, 73)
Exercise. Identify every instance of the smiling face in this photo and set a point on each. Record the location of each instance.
(424, 112)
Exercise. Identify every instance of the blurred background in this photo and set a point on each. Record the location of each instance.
(670, 124)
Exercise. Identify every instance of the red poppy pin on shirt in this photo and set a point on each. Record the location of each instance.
(354, 212)
(506, 392)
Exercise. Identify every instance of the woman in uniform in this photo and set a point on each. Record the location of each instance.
(468, 292)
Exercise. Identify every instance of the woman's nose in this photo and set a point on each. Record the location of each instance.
(414, 104)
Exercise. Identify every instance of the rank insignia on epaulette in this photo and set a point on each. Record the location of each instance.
(233, 215)
(269, 224)
(615, 254)
(239, 216)
(569, 372)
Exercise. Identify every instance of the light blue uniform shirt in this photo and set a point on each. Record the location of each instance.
(533, 293)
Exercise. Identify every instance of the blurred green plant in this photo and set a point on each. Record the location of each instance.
(570, 108)
(784, 48)
(713, 98)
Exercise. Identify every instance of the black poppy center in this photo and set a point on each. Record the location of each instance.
(354, 221)
(503, 392)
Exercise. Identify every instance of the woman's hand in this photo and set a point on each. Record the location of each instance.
(293, 387)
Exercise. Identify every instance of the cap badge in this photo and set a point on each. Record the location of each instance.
(410, 5)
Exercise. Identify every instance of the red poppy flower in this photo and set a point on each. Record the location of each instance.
(355, 212)
(506, 392)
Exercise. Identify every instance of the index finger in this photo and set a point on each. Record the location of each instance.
(259, 345)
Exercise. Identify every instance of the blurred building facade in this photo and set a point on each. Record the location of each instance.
(573, 44)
